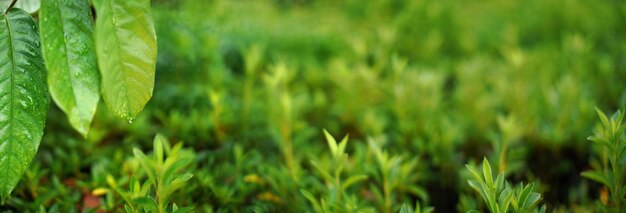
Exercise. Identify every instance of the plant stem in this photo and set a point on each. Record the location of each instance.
(387, 194)
(10, 6)
(502, 160)
(617, 182)
(338, 185)
(285, 131)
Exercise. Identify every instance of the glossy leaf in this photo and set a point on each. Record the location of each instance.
(126, 51)
(4, 4)
(68, 48)
(23, 96)
(30, 6)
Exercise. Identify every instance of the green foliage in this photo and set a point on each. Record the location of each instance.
(30, 6)
(336, 199)
(127, 56)
(24, 96)
(68, 48)
(164, 170)
(505, 142)
(609, 167)
(397, 176)
(499, 195)
(282, 116)
(126, 46)
(420, 86)
(406, 208)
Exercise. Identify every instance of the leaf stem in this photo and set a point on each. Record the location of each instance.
(387, 193)
(10, 6)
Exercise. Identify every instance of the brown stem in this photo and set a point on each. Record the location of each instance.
(10, 6)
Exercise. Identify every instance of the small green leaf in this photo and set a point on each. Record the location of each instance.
(331, 142)
(23, 96)
(532, 201)
(352, 180)
(405, 208)
(474, 184)
(342, 145)
(525, 193)
(68, 48)
(487, 173)
(170, 170)
(499, 182)
(505, 200)
(158, 148)
(475, 174)
(126, 51)
(312, 200)
(30, 6)
(146, 163)
(147, 203)
(323, 172)
(603, 118)
(181, 179)
(600, 140)
(183, 210)
(428, 209)
(491, 199)
(176, 184)
(596, 176)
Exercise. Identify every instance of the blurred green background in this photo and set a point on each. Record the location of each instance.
(248, 87)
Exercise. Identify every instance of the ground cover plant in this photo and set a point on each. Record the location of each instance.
(312, 106)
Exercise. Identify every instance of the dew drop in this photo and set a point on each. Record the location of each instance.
(130, 120)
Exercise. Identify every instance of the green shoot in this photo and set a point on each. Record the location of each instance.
(333, 177)
(499, 195)
(164, 178)
(611, 147)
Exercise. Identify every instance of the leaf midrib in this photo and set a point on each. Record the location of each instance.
(127, 111)
(67, 62)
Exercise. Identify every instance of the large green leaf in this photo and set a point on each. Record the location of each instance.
(29, 6)
(126, 50)
(68, 47)
(23, 96)
(4, 4)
